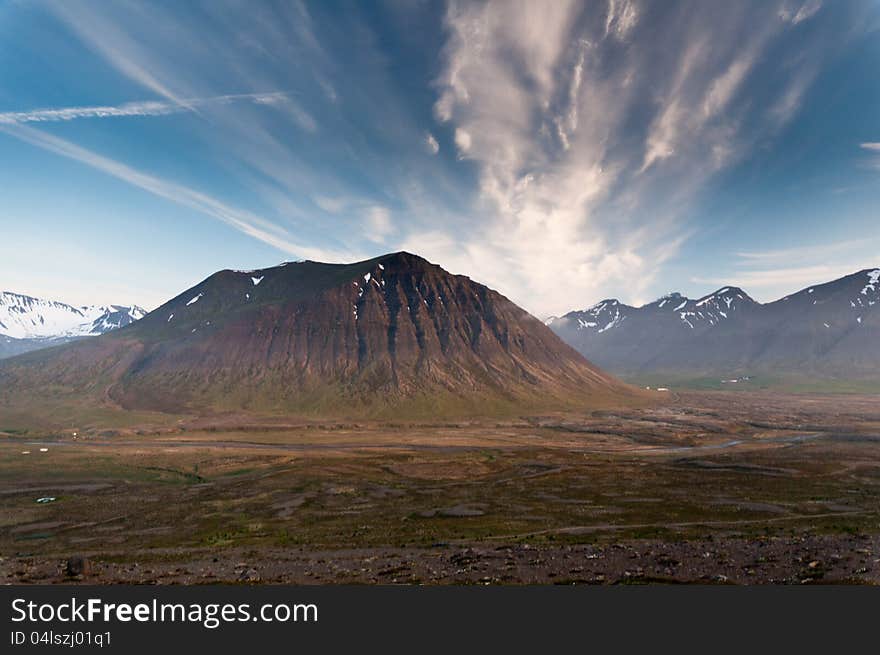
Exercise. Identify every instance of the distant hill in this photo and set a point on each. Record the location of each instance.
(392, 333)
(825, 335)
(28, 323)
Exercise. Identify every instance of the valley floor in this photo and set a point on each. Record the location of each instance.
(706, 488)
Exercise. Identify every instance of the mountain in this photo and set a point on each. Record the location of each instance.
(28, 323)
(393, 332)
(824, 332)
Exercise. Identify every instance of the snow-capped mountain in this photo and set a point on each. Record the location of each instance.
(707, 311)
(598, 318)
(828, 330)
(28, 323)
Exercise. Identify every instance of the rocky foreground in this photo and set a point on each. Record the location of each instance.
(806, 559)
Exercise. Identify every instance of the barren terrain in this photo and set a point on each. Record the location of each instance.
(708, 487)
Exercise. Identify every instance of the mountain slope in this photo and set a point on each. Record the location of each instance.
(384, 333)
(28, 323)
(828, 331)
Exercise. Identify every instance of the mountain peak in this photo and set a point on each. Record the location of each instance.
(825, 331)
(668, 300)
(403, 256)
(604, 304)
(27, 317)
(373, 333)
(730, 290)
(729, 295)
(401, 260)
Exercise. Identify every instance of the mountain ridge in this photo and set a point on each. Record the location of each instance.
(822, 331)
(28, 323)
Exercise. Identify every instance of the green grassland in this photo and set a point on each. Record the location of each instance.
(756, 382)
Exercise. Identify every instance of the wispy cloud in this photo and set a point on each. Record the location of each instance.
(774, 273)
(378, 224)
(431, 142)
(585, 133)
(772, 284)
(592, 140)
(621, 18)
(786, 256)
(368, 152)
(73, 113)
(873, 149)
(797, 13)
(242, 220)
(144, 108)
(126, 53)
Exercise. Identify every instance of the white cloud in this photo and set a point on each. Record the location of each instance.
(787, 256)
(775, 273)
(462, 141)
(540, 103)
(533, 237)
(179, 59)
(331, 205)
(724, 87)
(590, 143)
(590, 153)
(621, 18)
(252, 47)
(785, 280)
(873, 149)
(789, 103)
(285, 103)
(699, 106)
(378, 225)
(443, 107)
(143, 108)
(803, 12)
(431, 142)
(242, 220)
(73, 113)
(120, 48)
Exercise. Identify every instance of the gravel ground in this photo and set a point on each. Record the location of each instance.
(807, 559)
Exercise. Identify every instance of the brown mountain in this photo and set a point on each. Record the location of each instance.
(394, 333)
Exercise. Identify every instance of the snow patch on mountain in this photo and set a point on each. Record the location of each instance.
(25, 317)
(869, 294)
(601, 317)
(707, 311)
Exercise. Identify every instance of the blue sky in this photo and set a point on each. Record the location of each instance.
(559, 152)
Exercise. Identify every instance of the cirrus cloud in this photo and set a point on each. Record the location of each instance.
(592, 138)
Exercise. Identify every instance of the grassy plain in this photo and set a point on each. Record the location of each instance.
(743, 487)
